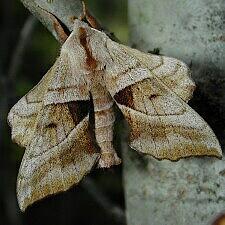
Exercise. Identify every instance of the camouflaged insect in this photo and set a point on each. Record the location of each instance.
(92, 74)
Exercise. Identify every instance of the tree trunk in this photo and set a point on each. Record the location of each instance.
(190, 191)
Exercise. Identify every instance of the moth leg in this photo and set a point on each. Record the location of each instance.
(104, 120)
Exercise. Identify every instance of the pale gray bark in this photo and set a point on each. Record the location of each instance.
(65, 11)
(190, 191)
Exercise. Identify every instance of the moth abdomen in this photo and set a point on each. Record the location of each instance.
(104, 122)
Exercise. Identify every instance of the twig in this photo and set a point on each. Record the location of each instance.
(7, 80)
(64, 11)
(17, 56)
(112, 209)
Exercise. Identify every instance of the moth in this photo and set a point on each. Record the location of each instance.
(66, 121)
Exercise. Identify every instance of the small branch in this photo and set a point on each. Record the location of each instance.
(112, 209)
(17, 56)
(64, 12)
(6, 81)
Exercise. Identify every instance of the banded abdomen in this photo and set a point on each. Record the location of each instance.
(104, 120)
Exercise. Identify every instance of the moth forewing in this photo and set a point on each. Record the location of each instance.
(52, 122)
(59, 168)
(173, 72)
(151, 92)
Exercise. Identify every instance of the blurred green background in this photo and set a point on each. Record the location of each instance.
(20, 70)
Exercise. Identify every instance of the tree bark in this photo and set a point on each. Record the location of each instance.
(64, 11)
(190, 191)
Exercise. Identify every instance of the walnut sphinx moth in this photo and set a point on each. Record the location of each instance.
(92, 74)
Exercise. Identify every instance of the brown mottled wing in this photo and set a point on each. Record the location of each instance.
(52, 122)
(60, 154)
(161, 123)
(23, 115)
(62, 83)
(172, 72)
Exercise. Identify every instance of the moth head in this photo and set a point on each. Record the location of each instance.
(90, 43)
(80, 24)
(80, 27)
